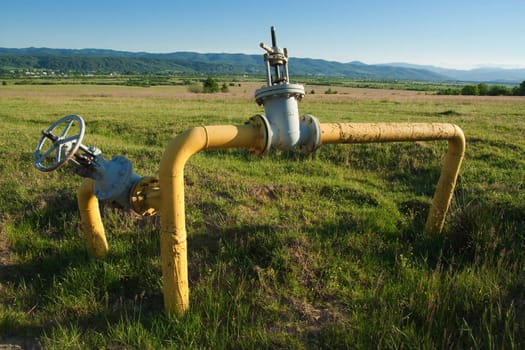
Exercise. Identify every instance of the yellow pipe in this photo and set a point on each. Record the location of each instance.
(390, 132)
(91, 222)
(170, 200)
(173, 247)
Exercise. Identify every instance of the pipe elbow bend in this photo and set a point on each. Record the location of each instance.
(182, 147)
(458, 143)
(91, 222)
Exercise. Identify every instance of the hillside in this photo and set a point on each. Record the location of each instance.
(485, 74)
(110, 61)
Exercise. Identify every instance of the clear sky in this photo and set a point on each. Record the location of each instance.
(447, 33)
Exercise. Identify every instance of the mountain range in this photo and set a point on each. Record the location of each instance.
(111, 61)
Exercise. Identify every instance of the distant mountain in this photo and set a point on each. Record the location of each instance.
(486, 74)
(111, 61)
(358, 70)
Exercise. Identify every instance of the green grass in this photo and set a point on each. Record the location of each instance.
(285, 251)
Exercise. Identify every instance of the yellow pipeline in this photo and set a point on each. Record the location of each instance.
(390, 132)
(91, 222)
(170, 200)
(173, 248)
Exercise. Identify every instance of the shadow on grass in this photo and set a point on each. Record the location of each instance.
(58, 287)
(124, 291)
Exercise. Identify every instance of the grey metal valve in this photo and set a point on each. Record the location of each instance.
(61, 144)
(285, 128)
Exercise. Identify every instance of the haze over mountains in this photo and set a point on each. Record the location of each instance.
(110, 61)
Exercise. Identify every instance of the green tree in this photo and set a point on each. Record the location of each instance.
(224, 88)
(499, 90)
(470, 90)
(483, 89)
(519, 90)
(210, 85)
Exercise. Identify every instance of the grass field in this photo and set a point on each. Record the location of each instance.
(285, 251)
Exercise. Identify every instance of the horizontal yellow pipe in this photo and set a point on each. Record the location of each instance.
(387, 132)
(90, 220)
(390, 132)
(173, 247)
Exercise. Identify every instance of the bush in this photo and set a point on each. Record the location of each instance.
(210, 85)
(449, 91)
(195, 88)
(224, 88)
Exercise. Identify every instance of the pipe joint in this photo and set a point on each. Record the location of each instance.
(310, 134)
(262, 124)
(144, 197)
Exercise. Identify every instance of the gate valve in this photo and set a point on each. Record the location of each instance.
(275, 57)
(285, 128)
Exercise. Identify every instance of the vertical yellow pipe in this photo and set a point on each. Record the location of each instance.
(173, 246)
(446, 183)
(390, 132)
(90, 220)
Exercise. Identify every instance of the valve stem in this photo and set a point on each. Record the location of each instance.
(276, 58)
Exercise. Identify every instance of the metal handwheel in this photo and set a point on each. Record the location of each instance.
(59, 143)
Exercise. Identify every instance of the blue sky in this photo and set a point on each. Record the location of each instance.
(448, 33)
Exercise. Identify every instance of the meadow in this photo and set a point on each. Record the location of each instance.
(285, 251)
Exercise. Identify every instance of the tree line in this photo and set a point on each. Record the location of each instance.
(483, 89)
